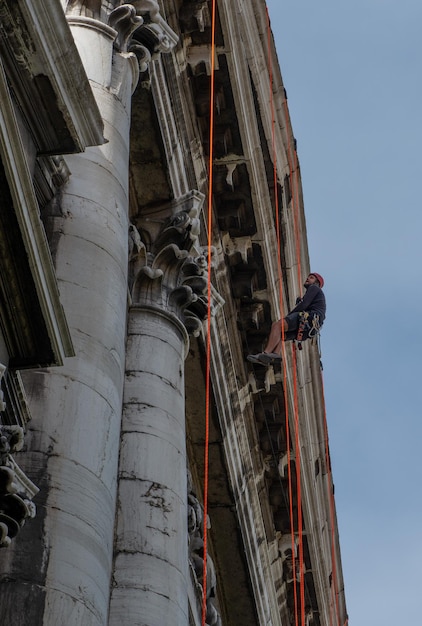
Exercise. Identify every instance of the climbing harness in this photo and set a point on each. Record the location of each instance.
(308, 327)
(303, 326)
(315, 328)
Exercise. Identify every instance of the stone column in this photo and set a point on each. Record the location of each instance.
(61, 570)
(150, 577)
(76, 409)
(151, 554)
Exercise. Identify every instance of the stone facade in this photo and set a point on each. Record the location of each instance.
(104, 304)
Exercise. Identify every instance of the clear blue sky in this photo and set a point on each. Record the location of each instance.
(352, 72)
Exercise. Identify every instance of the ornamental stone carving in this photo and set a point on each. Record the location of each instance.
(140, 28)
(195, 16)
(155, 34)
(16, 490)
(125, 21)
(168, 269)
(196, 555)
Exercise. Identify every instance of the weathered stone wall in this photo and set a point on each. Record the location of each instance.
(119, 534)
(73, 439)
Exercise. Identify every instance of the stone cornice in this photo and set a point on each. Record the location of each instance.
(33, 234)
(43, 66)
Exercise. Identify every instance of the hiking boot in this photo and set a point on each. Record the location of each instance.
(264, 358)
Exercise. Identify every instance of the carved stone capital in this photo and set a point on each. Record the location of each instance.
(155, 34)
(196, 555)
(140, 28)
(168, 268)
(16, 490)
(125, 21)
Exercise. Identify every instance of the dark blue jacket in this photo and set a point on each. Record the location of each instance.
(313, 302)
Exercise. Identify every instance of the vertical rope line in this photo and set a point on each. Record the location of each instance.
(281, 305)
(335, 591)
(299, 489)
(208, 346)
(295, 206)
(291, 514)
(293, 165)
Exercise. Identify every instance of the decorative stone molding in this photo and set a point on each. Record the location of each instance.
(140, 28)
(16, 490)
(139, 31)
(155, 34)
(288, 555)
(2, 403)
(125, 21)
(14, 31)
(198, 58)
(196, 555)
(46, 77)
(15, 407)
(51, 173)
(87, 8)
(168, 268)
(195, 16)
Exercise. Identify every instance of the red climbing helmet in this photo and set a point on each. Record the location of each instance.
(319, 278)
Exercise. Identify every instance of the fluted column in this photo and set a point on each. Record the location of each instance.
(151, 562)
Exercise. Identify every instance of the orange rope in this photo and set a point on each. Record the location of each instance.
(294, 190)
(208, 347)
(335, 592)
(293, 165)
(280, 280)
(299, 488)
(291, 513)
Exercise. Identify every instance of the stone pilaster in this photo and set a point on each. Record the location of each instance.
(151, 555)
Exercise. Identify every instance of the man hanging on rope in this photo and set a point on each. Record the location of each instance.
(302, 322)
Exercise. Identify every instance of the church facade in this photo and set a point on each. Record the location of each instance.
(150, 475)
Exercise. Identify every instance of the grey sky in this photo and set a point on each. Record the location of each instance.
(353, 79)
